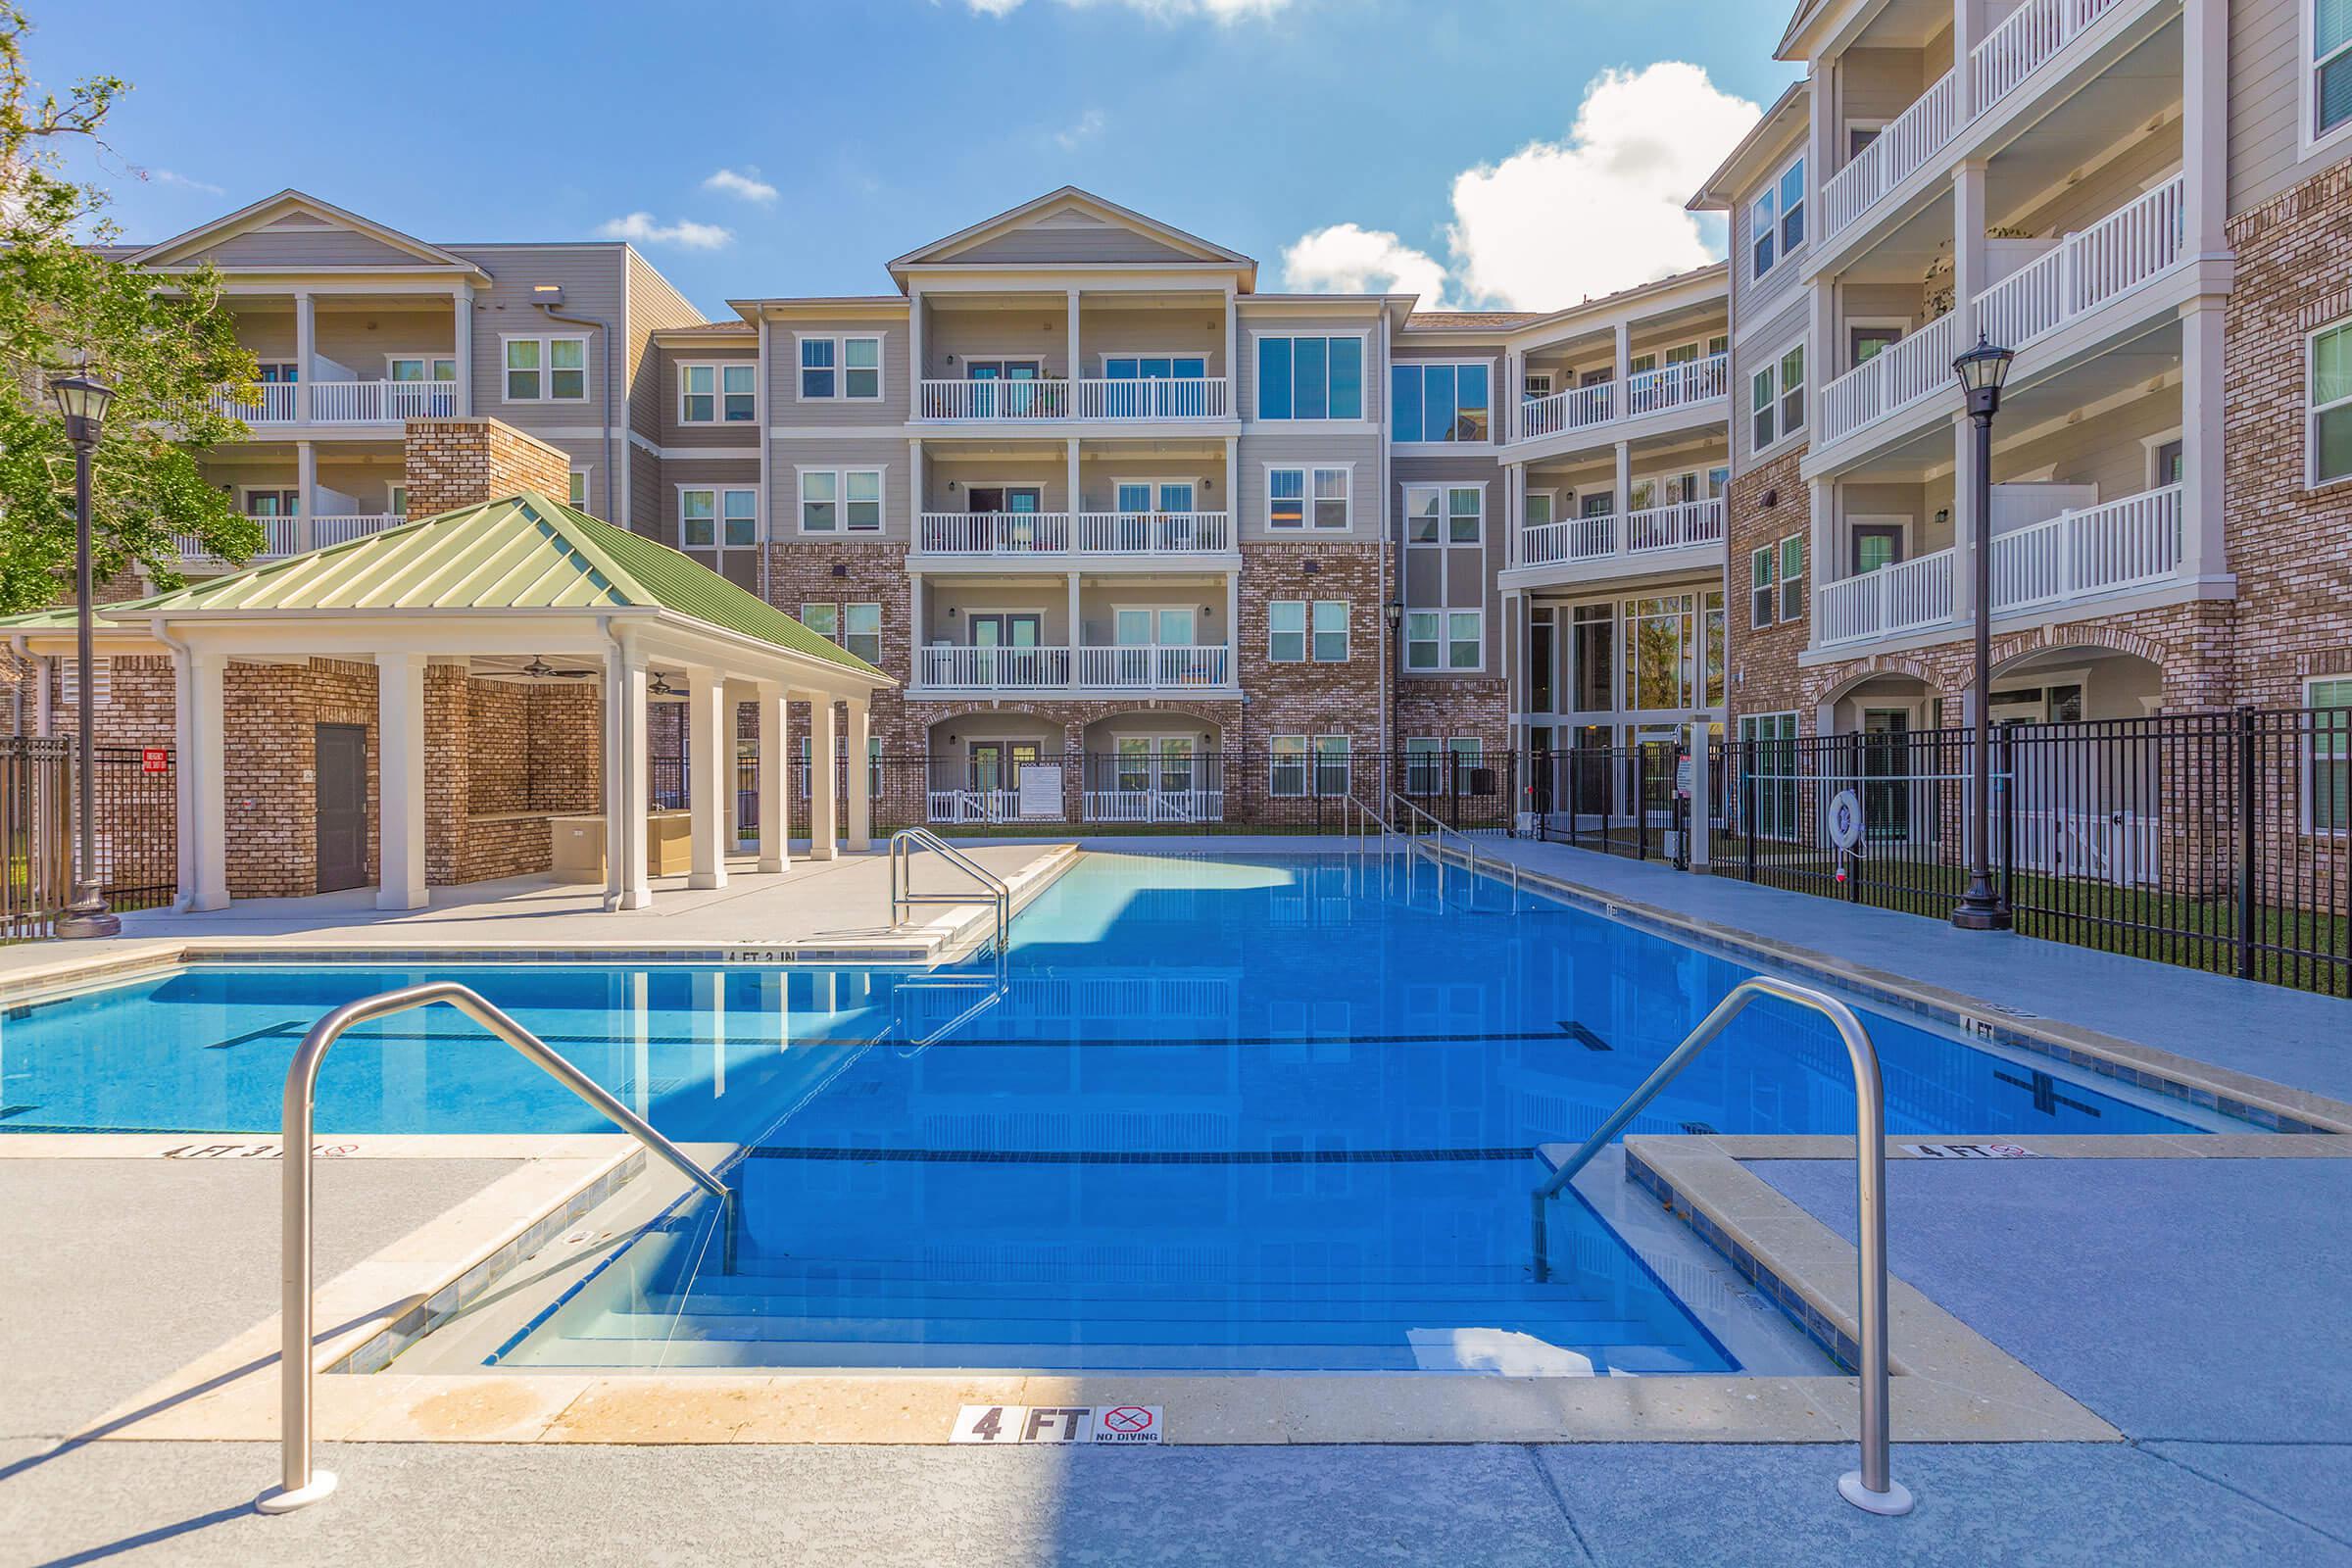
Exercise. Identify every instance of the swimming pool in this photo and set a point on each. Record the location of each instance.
(1235, 1112)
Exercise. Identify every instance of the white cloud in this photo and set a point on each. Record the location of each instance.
(1558, 221)
(744, 182)
(685, 233)
(1219, 10)
(1085, 128)
(165, 176)
(1345, 259)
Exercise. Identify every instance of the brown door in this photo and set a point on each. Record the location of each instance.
(341, 753)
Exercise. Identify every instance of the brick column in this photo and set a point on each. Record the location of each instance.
(464, 463)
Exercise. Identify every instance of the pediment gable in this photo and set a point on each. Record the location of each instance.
(292, 229)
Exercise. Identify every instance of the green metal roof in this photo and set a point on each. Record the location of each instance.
(523, 552)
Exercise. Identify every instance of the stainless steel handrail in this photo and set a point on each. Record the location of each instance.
(1469, 845)
(1365, 818)
(300, 1484)
(903, 844)
(1870, 1488)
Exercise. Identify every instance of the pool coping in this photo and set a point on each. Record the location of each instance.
(954, 935)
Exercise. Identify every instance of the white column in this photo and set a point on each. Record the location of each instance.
(914, 353)
(399, 780)
(1233, 627)
(305, 346)
(1073, 371)
(1073, 638)
(2203, 538)
(1967, 33)
(1233, 493)
(1624, 363)
(1964, 520)
(775, 831)
(916, 639)
(1624, 505)
(205, 762)
(1969, 259)
(2205, 126)
(824, 814)
(1701, 791)
(460, 330)
(1233, 380)
(305, 486)
(628, 883)
(861, 778)
(1071, 503)
(183, 792)
(1820, 551)
(710, 769)
(918, 494)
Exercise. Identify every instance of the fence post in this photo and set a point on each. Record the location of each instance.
(1453, 789)
(1748, 806)
(1640, 801)
(2004, 796)
(1314, 784)
(2246, 835)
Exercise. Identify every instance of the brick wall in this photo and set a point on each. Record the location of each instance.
(802, 572)
(1311, 698)
(1764, 677)
(464, 463)
(272, 711)
(2291, 547)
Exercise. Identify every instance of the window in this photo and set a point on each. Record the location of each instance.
(1331, 632)
(839, 500)
(1331, 764)
(2329, 438)
(1286, 631)
(420, 368)
(710, 393)
(1792, 207)
(1762, 405)
(1311, 378)
(1422, 649)
(1443, 514)
(834, 368)
(1763, 229)
(1286, 765)
(710, 517)
(396, 500)
(1771, 760)
(1539, 507)
(1759, 577)
(861, 631)
(1792, 578)
(547, 369)
(823, 619)
(1776, 221)
(2332, 68)
(1464, 640)
(2329, 786)
(1438, 402)
(1294, 496)
(1793, 390)
(1777, 398)
(577, 495)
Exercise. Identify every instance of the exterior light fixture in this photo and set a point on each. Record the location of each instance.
(82, 399)
(1982, 371)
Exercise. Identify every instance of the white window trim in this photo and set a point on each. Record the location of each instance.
(2310, 685)
(1347, 631)
(1881, 520)
(1444, 516)
(2309, 137)
(1493, 410)
(1780, 218)
(1364, 338)
(841, 366)
(1104, 358)
(1154, 611)
(1308, 468)
(429, 356)
(1305, 763)
(547, 367)
(1902, 323)
(841, 498)
(1770, 587)
(2154, 443)
(1782, 578)
(2312, 409)
(1550, 492)
(1155, 482)
(718, 513)
(1446, 644)
(587, 478)
(246, 491)
(1782, 435)
(718, 391)
(1307, 631)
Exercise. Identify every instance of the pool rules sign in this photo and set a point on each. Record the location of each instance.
(1058, 1424)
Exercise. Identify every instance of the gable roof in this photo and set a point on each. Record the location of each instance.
(1074, 209)
(523, 552)
(297, 204)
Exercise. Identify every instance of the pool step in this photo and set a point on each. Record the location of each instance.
(1144, 1328)
(1021, 1297)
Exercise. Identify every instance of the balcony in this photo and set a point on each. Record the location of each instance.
(1017, 534)
(1583, 408)
(1052, 670)
(1901, 374)
(1998, 65)
(2087, 268)
(290, 536)
(1574, 541)
(1136, 400)
(342, 402)
(2072, 557)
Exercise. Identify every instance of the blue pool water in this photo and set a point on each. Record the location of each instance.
(1239, 1113)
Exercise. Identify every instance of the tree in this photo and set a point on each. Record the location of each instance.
(165, 344)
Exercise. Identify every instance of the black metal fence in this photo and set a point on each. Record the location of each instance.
(134, 835)
(2214, 840)
(1620, 800)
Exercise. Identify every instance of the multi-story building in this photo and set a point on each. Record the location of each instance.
(2146, 200)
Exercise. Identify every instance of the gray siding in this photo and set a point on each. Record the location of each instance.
(786, 410)
(320, 246)
(1464, 575)
(2269, 80)
(1248, 491)
(1253, 324)
(1046, 247)
(661, 376)
(651, 304)
(888, 453)
(593, 287)
(1756, 349)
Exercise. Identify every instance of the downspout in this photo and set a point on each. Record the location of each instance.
(604, 340)
(183, 784)
(767, 496)
(1388, 633)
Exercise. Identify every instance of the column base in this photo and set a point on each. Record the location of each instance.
(705, 879)
(632, 898)
(771, 863)
(88, 917)
(822, 852)
(400, 898)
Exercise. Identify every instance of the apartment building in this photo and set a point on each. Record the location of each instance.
(2146, 200)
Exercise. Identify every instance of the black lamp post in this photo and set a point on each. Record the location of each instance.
(1982, 371)
(83, 400)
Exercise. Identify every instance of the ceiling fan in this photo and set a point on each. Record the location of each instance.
(540, 669)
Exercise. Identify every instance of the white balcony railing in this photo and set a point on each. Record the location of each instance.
(2087, 268)
(1653, 528)
(1576, 408)
(344, 528)
(281, 537)
(1152, 668)
(1155, 533)
(1155, 398)
(1903, 597)
(345, 403)
(1894, 378)
(1999, 64)
(276, 403)
(1155, 806)
(1908, 141)
(1001, 670)
(287, 536)
(993, 400)
(1670, 386)
(975, 806)
(2097, 550)
(993, 533)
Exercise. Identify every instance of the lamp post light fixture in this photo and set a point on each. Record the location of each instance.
(82, 399)
(1982, 371)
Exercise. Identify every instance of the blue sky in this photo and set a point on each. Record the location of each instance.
(1348, 124)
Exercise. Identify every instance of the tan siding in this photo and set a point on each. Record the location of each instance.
(2149, 160)
(1047, 247)
(863, 452)
(661, 376)
(1189, 328)
(1753, 352)
(1248, 492)
(2267, 81)
(786, 408)
(1038, 331)
(592, 281)
(309, 247)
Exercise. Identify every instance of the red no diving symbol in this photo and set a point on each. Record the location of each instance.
(1128, 1419)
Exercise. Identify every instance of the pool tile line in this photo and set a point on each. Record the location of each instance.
(2278, 1107)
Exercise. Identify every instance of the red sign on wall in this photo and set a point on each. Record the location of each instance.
(155, 760)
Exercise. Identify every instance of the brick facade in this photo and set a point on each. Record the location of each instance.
(464, 463)
(1310, 698)
(273, 713)
(824, 571)
(1764, 675)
